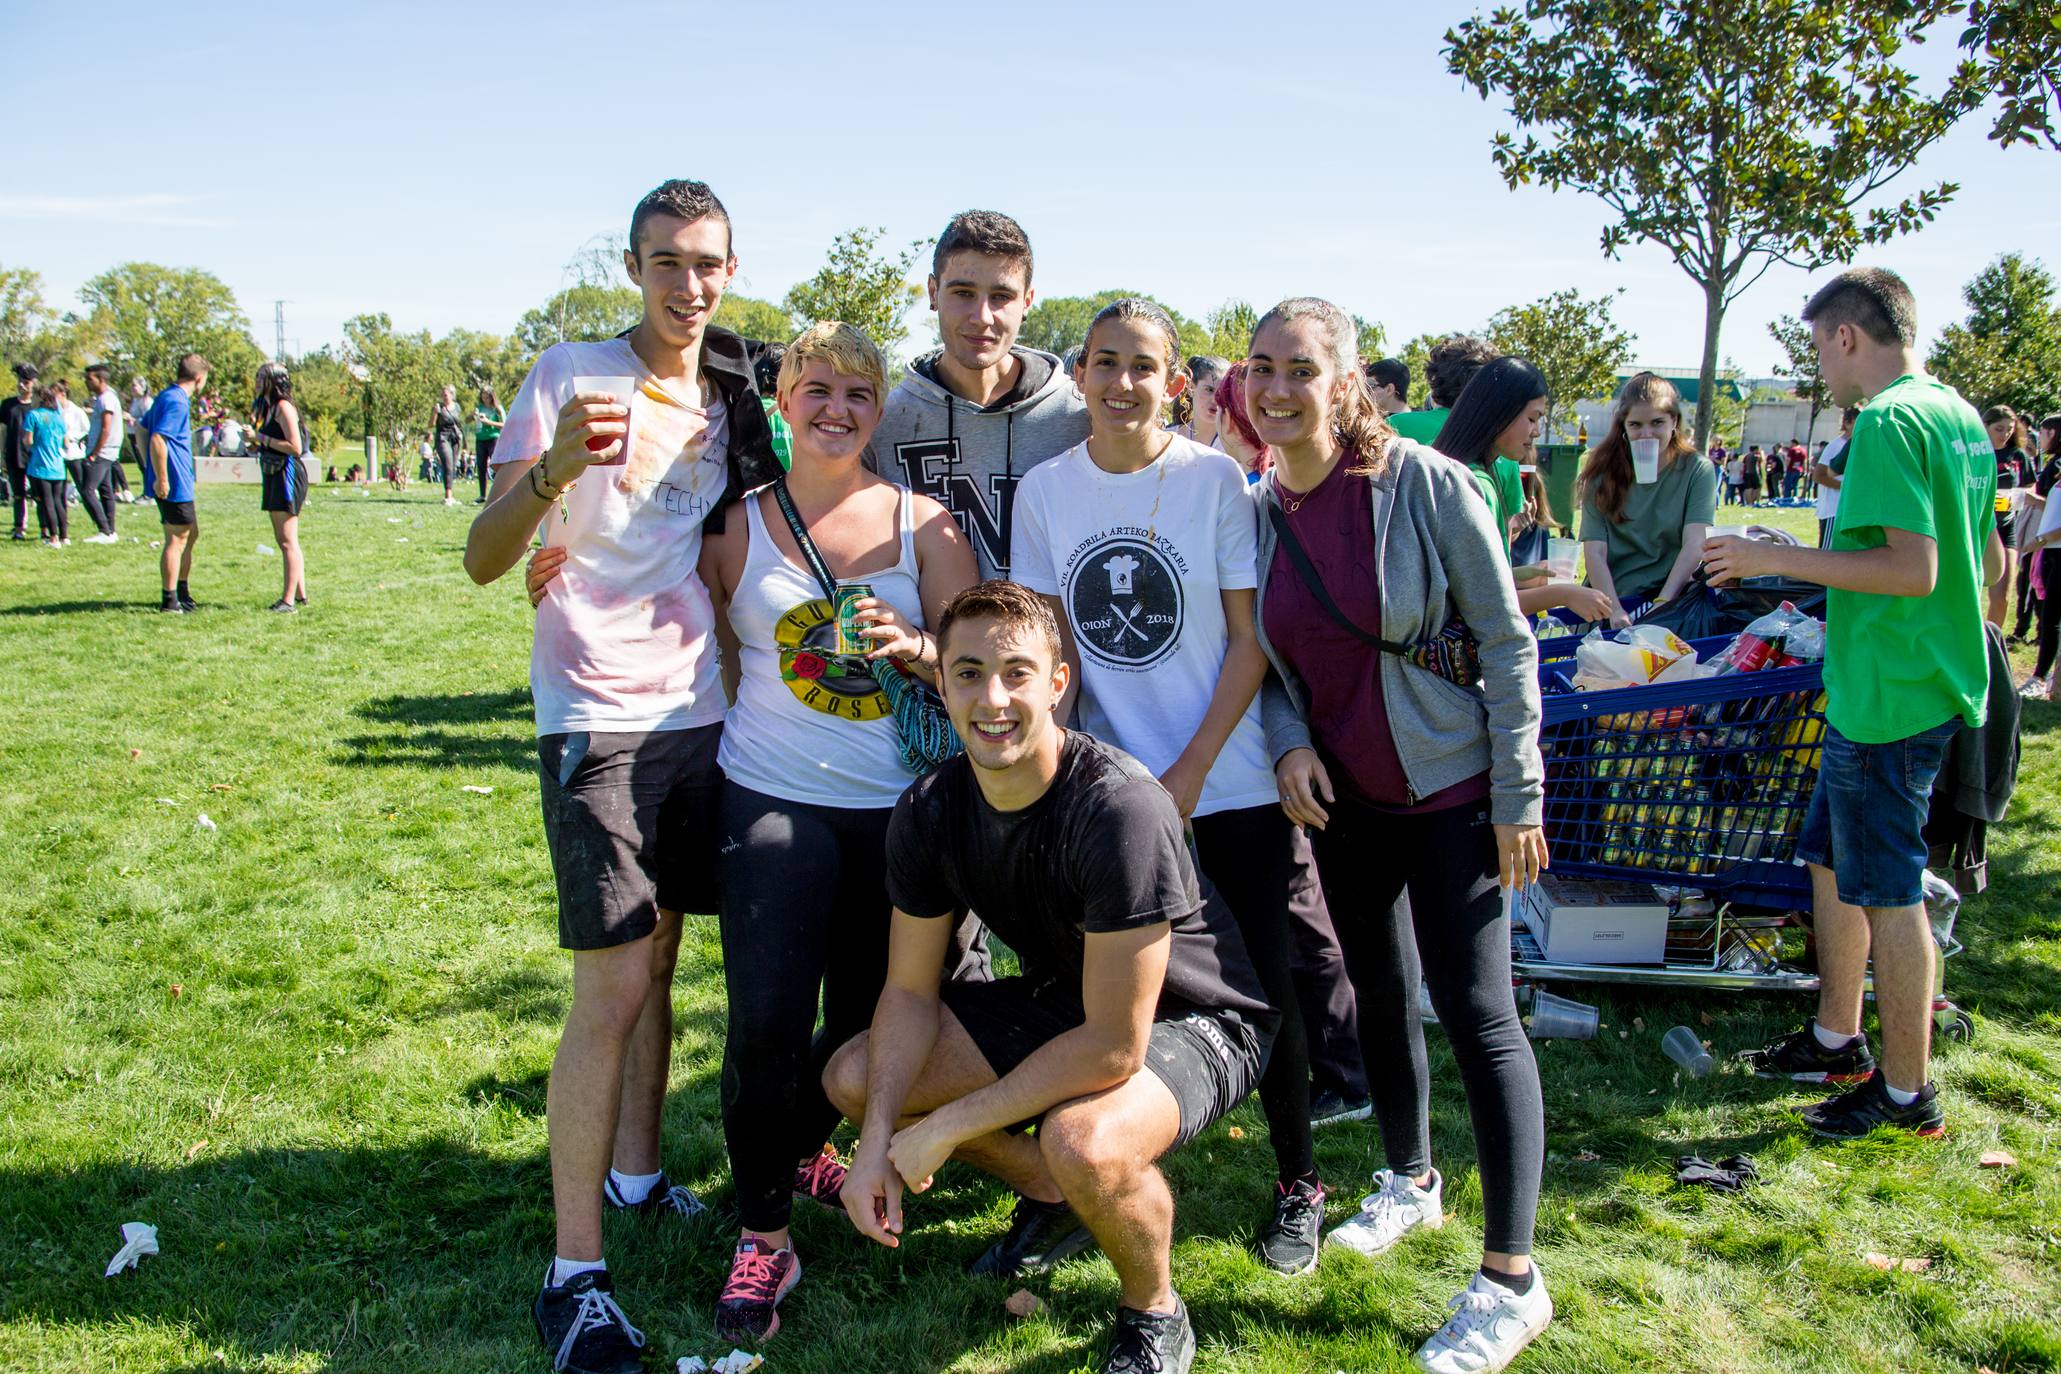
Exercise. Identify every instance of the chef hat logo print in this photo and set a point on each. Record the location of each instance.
(1126, 603)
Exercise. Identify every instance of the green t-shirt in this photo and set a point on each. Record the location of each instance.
(783, 434)
(487, 421)
(1502, 486)
(1896, 666)
(1421, 425)
(1642, 547)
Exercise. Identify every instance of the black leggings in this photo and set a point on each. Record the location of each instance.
(51, 516)
(18, 492)
(1249, 857)
(2049, 611)
(1330, 1018)
(96, 492)
(484, 464)
(2023, 623)
(805, 909)
(1389, 877)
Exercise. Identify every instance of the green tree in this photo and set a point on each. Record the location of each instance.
(2019, 46)
(23, 313)
(1569, 337)
(2008, 351)
(1723, 417)
(326, 391)
(403, 373)
(1800, 364)
(862, 286)
(1373, 338)
(581, 313)
(1416, 355)
(1230, 328)
(752, 318)
(1733, 136)
(1057, 323)
(143, 317)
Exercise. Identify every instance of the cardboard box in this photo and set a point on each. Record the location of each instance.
(1582, 922)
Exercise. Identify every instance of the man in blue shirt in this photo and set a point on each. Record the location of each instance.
(168, 473)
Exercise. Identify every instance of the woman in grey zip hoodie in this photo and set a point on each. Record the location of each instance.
(1423, 797)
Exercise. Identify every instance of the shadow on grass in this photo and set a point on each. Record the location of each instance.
(78, 607)
(419, 731)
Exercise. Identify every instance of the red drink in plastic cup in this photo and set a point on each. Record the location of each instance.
(623, 389)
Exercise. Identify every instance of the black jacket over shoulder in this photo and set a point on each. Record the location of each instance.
(731, 362)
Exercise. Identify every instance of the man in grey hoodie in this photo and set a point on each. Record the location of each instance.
(969, 420)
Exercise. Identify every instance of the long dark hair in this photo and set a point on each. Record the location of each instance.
(1496, 395)
(1606, 476)
(2021, 438)
(2050, 436)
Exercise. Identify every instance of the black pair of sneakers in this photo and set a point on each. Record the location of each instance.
(1800, 1057)
(578, 1321)
(177, 603)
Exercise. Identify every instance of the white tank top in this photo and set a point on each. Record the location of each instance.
(808, 725)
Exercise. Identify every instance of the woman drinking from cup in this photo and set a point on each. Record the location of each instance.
(1647, 499)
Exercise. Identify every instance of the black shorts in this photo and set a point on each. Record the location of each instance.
(631, 822)
(1210, 1062)
(174, 512)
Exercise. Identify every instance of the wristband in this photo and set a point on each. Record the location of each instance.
(540, 493)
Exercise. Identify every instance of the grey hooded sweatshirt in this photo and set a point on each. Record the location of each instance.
(970, 459)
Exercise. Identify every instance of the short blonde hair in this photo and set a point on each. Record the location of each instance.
(847, 349)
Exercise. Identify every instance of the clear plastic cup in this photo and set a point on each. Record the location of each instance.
(624, 390)
(1561, 1018)
(1727, 532)
(1561, 556)
(1646, 460)
(1685, 1047)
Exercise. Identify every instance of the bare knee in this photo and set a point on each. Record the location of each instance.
(844, 1078)
(610, 987)
(1085, 1150)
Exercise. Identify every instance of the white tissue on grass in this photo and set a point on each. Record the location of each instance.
(138, 1239)
(266, 548)
(203, 822)
(393, 519)
(691, 1364)
(736, 1362)
(166, 801)
(475, 787)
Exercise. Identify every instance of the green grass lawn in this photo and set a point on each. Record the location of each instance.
(310, 1046)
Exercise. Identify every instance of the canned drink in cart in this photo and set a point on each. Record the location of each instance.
(849, 641)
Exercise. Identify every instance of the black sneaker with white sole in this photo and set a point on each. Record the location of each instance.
(1289, 1243)
(1801, 1058)
(1151, 1342)
(1040, 1235)
(583, 1330)
(1854, 1114)
(665, 1196)
(1328, 1108)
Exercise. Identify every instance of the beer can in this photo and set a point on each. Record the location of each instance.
(849, 641)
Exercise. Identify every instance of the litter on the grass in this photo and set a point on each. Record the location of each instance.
(1022, 1303)
(736, 1362)
(1998, 1159)
(266, 548)
(203, 822)
(1914, 1265)
(166, 801)
(139, 1238)
(476, 788)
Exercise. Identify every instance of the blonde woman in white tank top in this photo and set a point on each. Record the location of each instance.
(812, 775)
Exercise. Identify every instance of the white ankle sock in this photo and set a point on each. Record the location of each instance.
(634, 1188)
(1830, 1040)
(563, 1270)
(1898, 1095)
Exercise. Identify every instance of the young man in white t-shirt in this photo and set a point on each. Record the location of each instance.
(629, 710)
(103, 454)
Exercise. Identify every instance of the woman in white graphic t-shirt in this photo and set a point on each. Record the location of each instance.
(1144, 542)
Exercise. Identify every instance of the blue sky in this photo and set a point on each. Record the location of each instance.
(442, 162)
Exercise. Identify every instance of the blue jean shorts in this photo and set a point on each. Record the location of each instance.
(1867, 814)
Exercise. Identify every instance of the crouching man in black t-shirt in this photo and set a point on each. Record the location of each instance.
(1137, 1020)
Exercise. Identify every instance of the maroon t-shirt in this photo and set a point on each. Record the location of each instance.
(1341, 673)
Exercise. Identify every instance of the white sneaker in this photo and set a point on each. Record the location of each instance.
(104, 539)
(1395, 1208)
(2033, 689)
(1490, 1327)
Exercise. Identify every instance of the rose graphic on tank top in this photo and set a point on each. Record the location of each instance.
(820, 678)
(1124, 598)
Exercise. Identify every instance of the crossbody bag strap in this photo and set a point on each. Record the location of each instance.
(1308, 570)
(802, 540)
